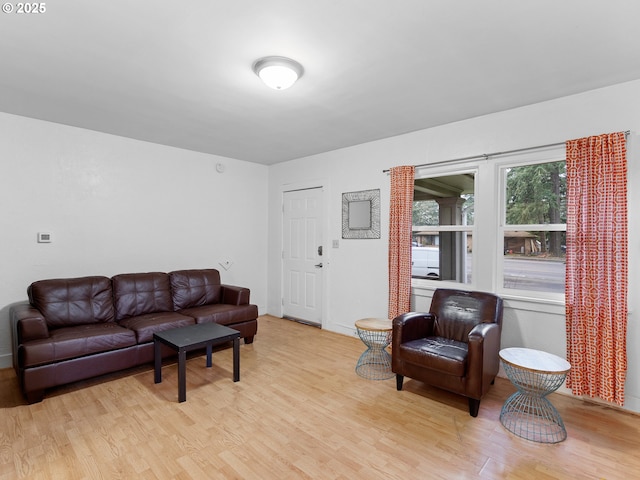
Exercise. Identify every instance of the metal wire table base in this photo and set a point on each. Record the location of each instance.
(375, 361)
(528, 413)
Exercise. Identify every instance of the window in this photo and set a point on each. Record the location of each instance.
(533, 227)
(443, 225)
(495, 224)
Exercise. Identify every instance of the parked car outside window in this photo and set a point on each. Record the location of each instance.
(425, 262)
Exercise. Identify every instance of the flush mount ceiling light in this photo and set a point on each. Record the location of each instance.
(278, 73)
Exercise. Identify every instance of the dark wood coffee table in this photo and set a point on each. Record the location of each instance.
(193, 337)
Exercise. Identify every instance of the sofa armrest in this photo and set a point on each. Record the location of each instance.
(233, 295)
(29, 323)
(412, 326)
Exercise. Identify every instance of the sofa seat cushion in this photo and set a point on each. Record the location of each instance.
(222, 313)
(73, 342)
(145, 326)
(437, 353)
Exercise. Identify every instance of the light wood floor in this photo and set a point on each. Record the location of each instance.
(299, 411)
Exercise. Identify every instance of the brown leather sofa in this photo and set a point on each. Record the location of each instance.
(78, 328)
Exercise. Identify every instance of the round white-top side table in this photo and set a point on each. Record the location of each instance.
(528, 413)
(375, 361)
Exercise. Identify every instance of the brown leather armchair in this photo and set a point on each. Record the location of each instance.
(454, 346)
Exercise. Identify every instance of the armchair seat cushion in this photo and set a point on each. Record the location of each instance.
(437, 353)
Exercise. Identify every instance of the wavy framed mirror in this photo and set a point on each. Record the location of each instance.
(361, 214)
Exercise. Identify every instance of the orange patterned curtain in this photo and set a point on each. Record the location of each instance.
(400, 223)
(596, 278)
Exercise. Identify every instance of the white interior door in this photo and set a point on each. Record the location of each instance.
(302, 256)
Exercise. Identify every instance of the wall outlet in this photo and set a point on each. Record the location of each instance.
(226, 264)
(335, 244)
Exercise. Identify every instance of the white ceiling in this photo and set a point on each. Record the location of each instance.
(179, 72)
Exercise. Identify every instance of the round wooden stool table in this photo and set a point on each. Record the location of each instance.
(375, 361)
(528, 413)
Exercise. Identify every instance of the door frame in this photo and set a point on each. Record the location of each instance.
(326, 270)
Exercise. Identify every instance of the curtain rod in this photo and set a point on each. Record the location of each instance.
(494, 154)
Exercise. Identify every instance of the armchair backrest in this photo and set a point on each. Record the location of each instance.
(458, 311)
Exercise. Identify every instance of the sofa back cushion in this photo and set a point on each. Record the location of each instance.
(194, 288)
(141, 293)
(73, 301)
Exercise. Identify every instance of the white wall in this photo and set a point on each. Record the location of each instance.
(356, 272)
(116, 205)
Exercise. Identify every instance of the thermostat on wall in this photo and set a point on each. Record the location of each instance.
(44, 237)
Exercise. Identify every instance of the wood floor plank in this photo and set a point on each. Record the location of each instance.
(298, 412)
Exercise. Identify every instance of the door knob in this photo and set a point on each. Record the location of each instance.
(319, 265)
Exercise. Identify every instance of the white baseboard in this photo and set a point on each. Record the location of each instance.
(6, 361)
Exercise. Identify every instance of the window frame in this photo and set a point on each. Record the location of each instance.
(442, 171)
(548, 155)
(489, 225)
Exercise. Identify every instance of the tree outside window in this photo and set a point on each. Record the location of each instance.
(534, 227)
